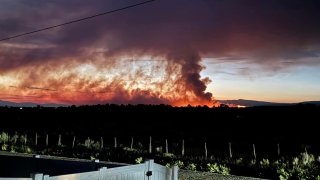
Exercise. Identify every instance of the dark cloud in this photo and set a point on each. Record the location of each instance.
(257, 29)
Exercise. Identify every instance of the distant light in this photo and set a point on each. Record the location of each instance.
(21, 108)
(240, 106)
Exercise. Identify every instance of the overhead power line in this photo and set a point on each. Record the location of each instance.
(77, 20)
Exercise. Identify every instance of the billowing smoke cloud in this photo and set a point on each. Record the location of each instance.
(191, 68)
(175, 34)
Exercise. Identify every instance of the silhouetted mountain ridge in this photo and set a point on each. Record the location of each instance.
(242, 102)
(245, 102)
(28, 104)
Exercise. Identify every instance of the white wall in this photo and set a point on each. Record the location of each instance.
(132, 172)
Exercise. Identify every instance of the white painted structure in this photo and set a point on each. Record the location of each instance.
(146, 171)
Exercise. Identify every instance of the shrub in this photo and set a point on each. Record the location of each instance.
(4, 138)
(179, 163)
(264, 163)
(304, 167)
(224, 170)
(139, 160)
(239, 161)
(191, 167)
(168, 155)
(283, 174)
(4, 147)
(220, 169)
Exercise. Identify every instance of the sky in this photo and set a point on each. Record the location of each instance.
(163, 52)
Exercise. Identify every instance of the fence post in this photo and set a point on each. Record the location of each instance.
(25, 139)
(37, 176)
(230, 150)
(59, 140)
(182, 151)
(46, 177)
(175, 169)
(278, 149)
(150, 169)
(73, 141)
(102, 173)
(150, 145)
(254, 151)
(167, 149)
(101, 147)
(47, 140)
(169, 173)
(305, 149)
(115, 142)
(131, 146)
(15, 139)
(36, 139)
(205, 150)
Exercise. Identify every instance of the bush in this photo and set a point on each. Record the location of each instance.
(302, 167)
(264, 163)
(220, 169)
(4, 138)
(191, 167)
(179, 163)
(139, 160)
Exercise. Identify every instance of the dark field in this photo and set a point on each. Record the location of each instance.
(279, 134)
(293, 127)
